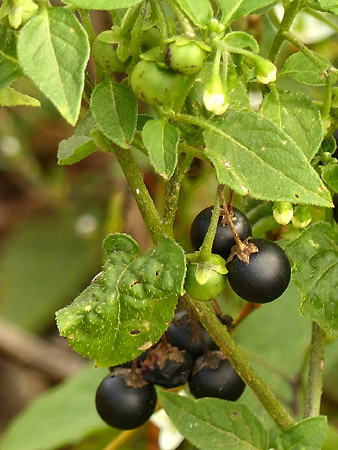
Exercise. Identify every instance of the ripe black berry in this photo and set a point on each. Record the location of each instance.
(167, 366)
(122, 405)
(224, 239)
(265, 277)
(213, 376)
(189, 335)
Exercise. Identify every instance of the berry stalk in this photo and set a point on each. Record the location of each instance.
(235, 355)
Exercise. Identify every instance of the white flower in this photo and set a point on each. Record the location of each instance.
(302, 217)
(268, 75)
(283, 213)
(169, 437)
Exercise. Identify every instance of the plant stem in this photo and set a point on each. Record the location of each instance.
(156, 7)
(289, 15)
(206, 248)
(327, 99)
(140, 192)
(183, 20)
(236, 356)
(121, 439)
(87, 24)
(316, 367)
(173, 193)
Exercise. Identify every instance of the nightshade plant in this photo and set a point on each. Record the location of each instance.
(278, 157)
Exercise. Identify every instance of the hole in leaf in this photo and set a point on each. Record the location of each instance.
(134, 332)
(137, 281)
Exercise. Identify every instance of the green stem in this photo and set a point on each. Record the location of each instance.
(87, 24)
(327, 99)
(183, 20)
(135, 43)
(316, 367)
(140, 192)
(206, 248)
(192, 151)
(129, 19)
(236, 356)
(289, 15)
(156, 6)
(173, 193)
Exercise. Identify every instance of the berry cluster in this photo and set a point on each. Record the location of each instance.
(261, 278)
(126, 398)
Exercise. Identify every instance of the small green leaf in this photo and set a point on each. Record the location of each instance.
(213, 423)
(329, 5)
(62, 416)
(161, 141)
(199, 11)
(102, 4)
(9, 66)
(53, 51)
(149, 289)
(11, 97)
(114, 108)
(91, 322)
(239, 39)
(295, 113)
(314, 257)
(78, 146)
(235, 9)
(252, 155)
(302, 69)
(330, 176)
(309, 434)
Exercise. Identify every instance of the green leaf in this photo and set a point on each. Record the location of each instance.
(295, 113)
(213, 423)
(9, 66)
(149, 289)
(329, 5)
(161, 141)
(91, 322)
(102, 4)
(128, 305)
(64, 415)
(235, 9)
(239, 39)
(199, 11)
(302, 69)
(53, 51)
(114, 108)
(330, 176)
(252, 155)
(78, 146)
(11, 97)
(314, 257)
(309, 434)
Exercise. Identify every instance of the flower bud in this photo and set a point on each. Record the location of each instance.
(301, 217)
(265, 70)
(215, 97)
(283, 212)
(17, 12)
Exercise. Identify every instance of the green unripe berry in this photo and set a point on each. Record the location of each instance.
(186, 57)
(105, 56)
(212, 288)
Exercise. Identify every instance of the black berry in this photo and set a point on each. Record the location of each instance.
(122, 405)
(167, 366)
(213, 376)
(187, 334)
(265, 277)
(224, 239)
